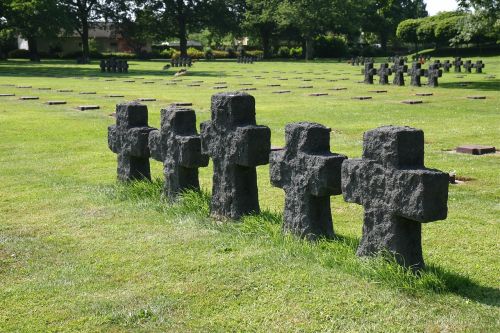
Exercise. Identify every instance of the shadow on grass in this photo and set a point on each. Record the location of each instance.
(337, 253)
(490, 85)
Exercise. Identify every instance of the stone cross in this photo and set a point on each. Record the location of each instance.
(178, 146)
(384, 73)
(468, 66)
(369, 71)
(399, 69)
(309, 174)
(479, 66)
(397, 192)
(236, 145)
(446, 66)
(458, 63)
(416, 73)
(129, 139)
(432, 74)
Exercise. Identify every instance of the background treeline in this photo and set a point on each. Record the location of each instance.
(275, 28)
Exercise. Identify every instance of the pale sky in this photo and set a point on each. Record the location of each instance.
(434, 6)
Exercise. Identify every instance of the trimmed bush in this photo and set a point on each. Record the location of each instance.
(220, 54)
(195, 54)
(296, 52)
(284, 52)
(255, 53)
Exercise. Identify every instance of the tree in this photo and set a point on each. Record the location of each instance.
(179, 17)
(33, 19)
(261, 20)
(407, 31)
(81, 13)
(137, 29)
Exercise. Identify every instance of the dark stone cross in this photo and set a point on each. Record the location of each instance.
(309, 173)
(399, 69)
(129, 139)
(178, 146)
(433, 74)
(458, 63)
(397, 192)
(416, 73)
(369, 71)
(236, 145)
(384, 72)
(468, 66)
(479, 66)
(446, 66)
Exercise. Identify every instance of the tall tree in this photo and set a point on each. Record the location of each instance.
(82, 13)
(261, 21)
(33, 19)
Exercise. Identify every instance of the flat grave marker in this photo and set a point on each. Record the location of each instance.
(412, 102)
(362, 98)
(55, 102)
(87, 107)
(28, 98)
(282, 92)
(7, 95)
(476, 149)
(476, 97)
(146, 99)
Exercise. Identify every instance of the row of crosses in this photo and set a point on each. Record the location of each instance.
(389, 181)
(468, 65)
(399, 69)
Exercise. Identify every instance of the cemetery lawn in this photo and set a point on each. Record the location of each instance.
(78, 252)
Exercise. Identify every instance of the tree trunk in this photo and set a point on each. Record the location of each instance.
(309, 48)
(33, 48)
(85, 40)
(181, 20)
(266, 44)
(383, 41)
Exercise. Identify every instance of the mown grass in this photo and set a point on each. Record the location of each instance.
(79, 252)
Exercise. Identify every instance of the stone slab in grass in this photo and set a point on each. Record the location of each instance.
(88, 93)
(412, 102)
(282, 79)
(476, 97)
(114, 96)
(338, 89)
(362, 98)
(64, 90)
(318, 94)
(274, 85)
(282, 92)
(220, 87)
(129, 81)
(7, 85)
(306, 87)
(171, 84)
(193, 85)
(248, 89)
(182, 104)
(23, 87)
(148, 82)
(7, 95)
(55, 102)
(378, 91)
(146, 99)
(109, 80)
(306, 80)
(87, 107)
(45, 88)
(220, 82)
(476, 149)
(28, 98)
(246, 84)
(424, 94)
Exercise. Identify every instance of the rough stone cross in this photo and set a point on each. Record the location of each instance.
(309, 174)
(384, 72)
(479, 66)
(433, 74)
(458, 63)
(369, 71)
(236, 145)
(468, 66)
(397, 192)
(446, 66)
(129, 139)
(399, 69)
(178, 146)
(416, 73)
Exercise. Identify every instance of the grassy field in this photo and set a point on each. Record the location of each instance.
(79, 252)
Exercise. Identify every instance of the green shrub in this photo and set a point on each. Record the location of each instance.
(167, 53)
(220, 54)
(296, 52)
(194, 53)
(255, 53)
(330, 46)
(120, 55)
(19, 54)
(284, 52)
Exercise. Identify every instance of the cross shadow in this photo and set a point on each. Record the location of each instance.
(490, 85)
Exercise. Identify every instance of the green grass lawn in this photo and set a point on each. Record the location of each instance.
(79, 252)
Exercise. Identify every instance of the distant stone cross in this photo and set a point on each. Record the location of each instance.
(458, 63)
(129, 139)
(178, 146)
(309, 174)
(399, 69)
(416, 73)
(369, 71)
(468, 66)
(446, 66)
(384, 72)
(433, 74)
(479, 66)
(397, 192)
(236, 145)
